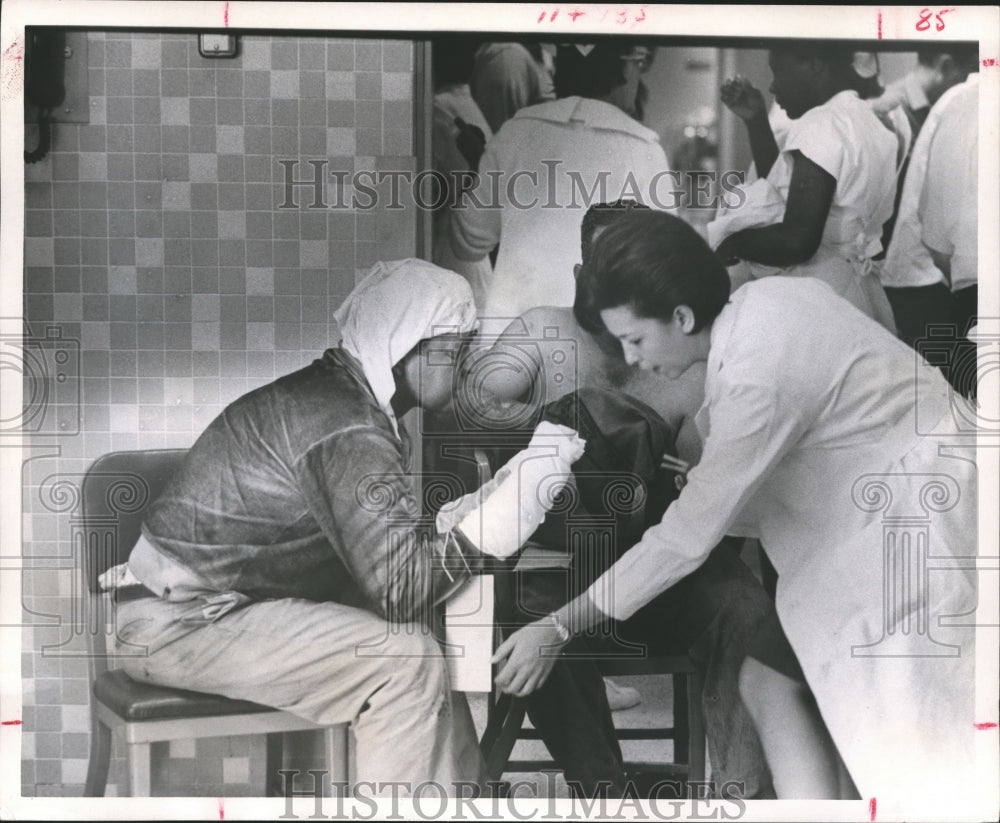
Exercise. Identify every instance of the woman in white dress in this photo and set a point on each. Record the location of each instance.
(825, 193)
(822, 442)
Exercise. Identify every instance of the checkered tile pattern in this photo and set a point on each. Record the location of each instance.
(172, 281)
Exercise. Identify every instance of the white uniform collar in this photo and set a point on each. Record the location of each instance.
(595, 114)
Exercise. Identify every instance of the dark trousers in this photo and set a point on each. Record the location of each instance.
(917, 309)
(712, 614)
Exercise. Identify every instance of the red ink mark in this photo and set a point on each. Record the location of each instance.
(576, 13)
(642, 11)
(225, 16)
(222, 810)
(986, 726)
(940, 22)
(880, 25)
(990, 62)
(541, 17)
(924, 19)
(10, 723)
(553, 16)
(872, 806)
(15, 51)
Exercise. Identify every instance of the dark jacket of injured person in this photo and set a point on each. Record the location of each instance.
(619, 490)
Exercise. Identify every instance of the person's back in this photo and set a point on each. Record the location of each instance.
(594, 361)
(243, 511)
(546, 166)
(568, 154)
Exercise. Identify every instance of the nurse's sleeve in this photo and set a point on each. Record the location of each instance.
(750, 433)
(816, 136)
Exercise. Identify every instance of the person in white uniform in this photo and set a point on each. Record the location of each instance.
(818, 439)
(826, 192)
(541, 172)
(949, 221)
(915, 286)
(453, 105)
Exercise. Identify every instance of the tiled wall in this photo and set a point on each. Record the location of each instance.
(155, 240)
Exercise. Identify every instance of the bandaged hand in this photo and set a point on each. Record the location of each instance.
(505, 513)
(561, 441)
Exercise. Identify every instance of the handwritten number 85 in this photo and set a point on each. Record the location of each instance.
(924, 22)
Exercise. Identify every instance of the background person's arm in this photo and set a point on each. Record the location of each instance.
(797, 237)
(476, 220)
(741, 97)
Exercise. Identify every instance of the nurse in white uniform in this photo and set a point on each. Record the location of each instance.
(826, 192)
(822, 442)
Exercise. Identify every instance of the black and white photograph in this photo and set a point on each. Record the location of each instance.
(499, 412)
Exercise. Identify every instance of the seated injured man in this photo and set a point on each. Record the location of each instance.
(287, 562)
(559, 365)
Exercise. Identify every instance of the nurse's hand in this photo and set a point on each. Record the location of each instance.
(743, 99)
(527, 658)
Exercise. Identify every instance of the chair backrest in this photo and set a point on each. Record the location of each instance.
(117, 489)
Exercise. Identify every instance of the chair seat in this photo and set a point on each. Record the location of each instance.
(135, 701)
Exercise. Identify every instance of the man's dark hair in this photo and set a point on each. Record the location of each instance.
(597, 74)
(598, 216)
(964, 55)
(654, 262)
(452, 59)
(835, 54)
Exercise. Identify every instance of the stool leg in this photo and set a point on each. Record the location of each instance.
(100, 759)
(499, 753)
(140, 769)
(682, 719)
(338, 753)
(273, 762)
(695, 685)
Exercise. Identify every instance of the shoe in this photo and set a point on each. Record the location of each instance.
(621, 697)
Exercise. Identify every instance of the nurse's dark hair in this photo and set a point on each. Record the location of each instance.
(654, 262)
(598, 216)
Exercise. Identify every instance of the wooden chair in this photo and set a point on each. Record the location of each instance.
(116, 491)
(505, 714)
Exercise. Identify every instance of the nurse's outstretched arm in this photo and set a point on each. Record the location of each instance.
(751, 432)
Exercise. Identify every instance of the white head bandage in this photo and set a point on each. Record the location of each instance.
(398, 304)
